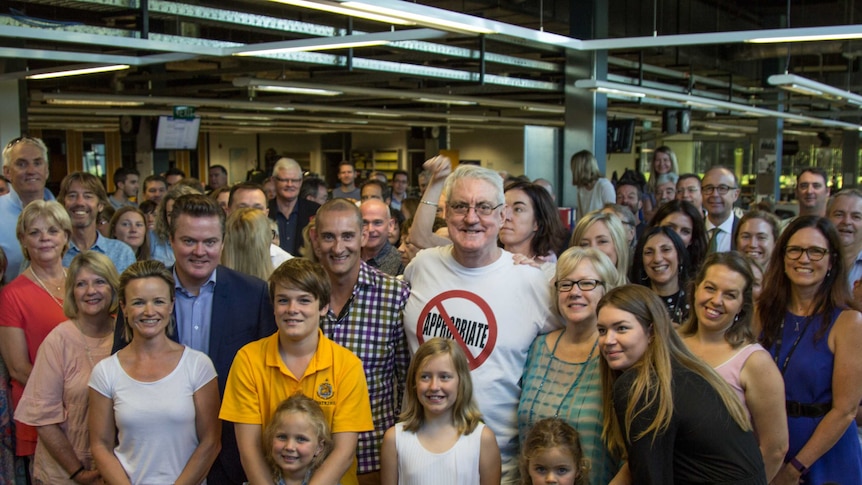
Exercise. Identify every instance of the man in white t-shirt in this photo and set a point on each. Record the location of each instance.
(471, 291)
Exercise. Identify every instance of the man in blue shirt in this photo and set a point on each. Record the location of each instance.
(25, 165)
(84, 196)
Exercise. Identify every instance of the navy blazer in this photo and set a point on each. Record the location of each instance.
(241, 313)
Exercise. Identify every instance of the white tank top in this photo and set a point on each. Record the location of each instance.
(457, 466)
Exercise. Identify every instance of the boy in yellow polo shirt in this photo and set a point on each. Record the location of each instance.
(298, 358)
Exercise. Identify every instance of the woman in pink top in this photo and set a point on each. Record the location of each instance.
(32, 303)
(56, 400)
(719, 332)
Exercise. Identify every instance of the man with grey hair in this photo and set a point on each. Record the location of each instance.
(665, 188)
(471, 291)
(25, 165)
(845, 211)
(288, 210)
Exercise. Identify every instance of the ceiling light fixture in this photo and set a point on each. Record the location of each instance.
(79, 72)
(410, 14)
(810, 87)
(92, 102)
(458, 102)
(806, 38)
(298, 90)
(335, 8)
(319, 47)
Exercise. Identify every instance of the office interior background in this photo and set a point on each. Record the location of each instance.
(765, 87)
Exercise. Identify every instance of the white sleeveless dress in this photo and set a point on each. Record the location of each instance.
(457, 466)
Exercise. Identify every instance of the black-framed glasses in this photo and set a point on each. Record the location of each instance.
(482, 209)
(565, 286)
(814, 253)
(722, 189)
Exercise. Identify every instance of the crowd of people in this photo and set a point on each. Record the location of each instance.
(285, 334)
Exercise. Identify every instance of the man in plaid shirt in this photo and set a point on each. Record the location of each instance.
(365, 315)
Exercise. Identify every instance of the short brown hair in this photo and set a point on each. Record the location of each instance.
(303, 275)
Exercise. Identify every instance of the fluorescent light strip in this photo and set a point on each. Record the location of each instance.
(333, 8)
(458, 102)
(92, 102)
(321, 47)
(810, 87)
(805, 38)
(378, 113)
(79, 72)
(630, 94)
(297, 90)
(418, 18)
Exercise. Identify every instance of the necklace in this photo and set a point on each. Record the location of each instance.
(87, 345)
(42, 284)
(574, 385)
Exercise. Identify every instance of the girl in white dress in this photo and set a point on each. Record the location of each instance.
(440, 438)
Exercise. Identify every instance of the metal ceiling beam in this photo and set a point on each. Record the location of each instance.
(706, 38)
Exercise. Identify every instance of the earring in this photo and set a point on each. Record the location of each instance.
(736, 318)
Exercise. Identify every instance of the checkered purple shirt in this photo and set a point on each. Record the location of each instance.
(370, 325)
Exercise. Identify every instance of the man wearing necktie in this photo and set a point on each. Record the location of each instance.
(720, 190)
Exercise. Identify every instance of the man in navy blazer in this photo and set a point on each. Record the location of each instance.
(217, 310)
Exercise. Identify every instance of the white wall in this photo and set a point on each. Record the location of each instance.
(496, 149)
(243, 148)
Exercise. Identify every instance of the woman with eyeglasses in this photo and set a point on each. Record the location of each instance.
(687, 222)
(561, 375)
(812, 328)
(661, 263)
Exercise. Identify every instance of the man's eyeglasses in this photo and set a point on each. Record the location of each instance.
(722, 189)
(565, 286)
(814, 253)
(483, 209)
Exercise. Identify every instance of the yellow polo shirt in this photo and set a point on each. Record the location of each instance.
(259, 381)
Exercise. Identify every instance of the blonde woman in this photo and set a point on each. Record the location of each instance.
(594, 190)
(247, 240)
(32, 303)
(604, 231)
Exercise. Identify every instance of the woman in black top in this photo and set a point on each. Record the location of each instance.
(667, 412)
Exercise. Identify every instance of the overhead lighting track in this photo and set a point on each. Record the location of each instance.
(810, 87)
(697, 101)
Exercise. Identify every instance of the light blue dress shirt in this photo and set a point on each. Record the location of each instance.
(118, 252)
(194, 314)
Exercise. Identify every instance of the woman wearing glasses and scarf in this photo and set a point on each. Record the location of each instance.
(561, 376)
(813, 330)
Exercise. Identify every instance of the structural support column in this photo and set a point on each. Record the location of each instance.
(850, 159)
(768, 150)
(586, 112)
(13, 123)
